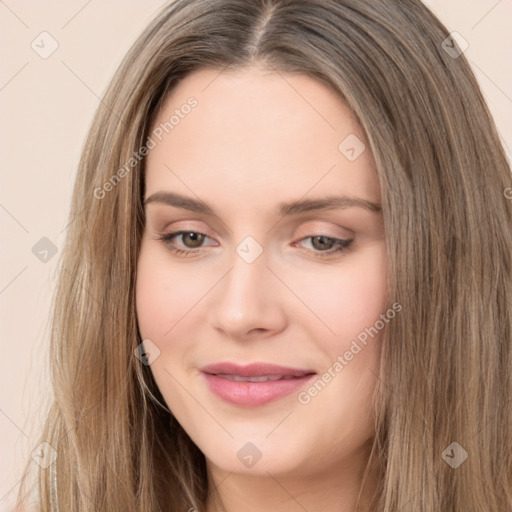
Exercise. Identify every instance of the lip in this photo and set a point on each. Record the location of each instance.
(220, 380)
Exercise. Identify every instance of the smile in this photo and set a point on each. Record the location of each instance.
(253, 385)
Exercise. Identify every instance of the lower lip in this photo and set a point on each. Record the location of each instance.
(253, 394)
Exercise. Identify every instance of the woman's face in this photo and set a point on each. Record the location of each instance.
(243, 163)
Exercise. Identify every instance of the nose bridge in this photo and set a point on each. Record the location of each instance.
(247, 279)
(246, 298)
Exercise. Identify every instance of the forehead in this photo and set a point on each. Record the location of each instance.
(254, 135)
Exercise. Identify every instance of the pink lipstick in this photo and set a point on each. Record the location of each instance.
(254, 384)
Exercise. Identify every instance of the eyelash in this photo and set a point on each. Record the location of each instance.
(340, 245)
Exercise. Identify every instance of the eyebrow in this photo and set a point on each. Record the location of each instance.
(283, 209)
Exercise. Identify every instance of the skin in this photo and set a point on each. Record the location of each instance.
(255, 139)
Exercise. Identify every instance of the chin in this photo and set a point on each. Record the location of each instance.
(257, 456)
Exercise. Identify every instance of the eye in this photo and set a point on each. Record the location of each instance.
(324, 246)
(192, 240)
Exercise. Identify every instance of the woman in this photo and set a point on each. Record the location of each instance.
(287, 283)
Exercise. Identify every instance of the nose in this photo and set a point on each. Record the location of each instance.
(248, 301)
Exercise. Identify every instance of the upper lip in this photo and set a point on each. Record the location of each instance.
(254, 370)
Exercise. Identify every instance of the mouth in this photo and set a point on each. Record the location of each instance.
(263, 378)
(255, 384)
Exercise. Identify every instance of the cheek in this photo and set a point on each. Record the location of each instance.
(153, 300)
(164, 295)
(362, 292)
(347, 298)
(353, 300)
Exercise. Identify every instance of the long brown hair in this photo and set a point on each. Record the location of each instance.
(446, 364)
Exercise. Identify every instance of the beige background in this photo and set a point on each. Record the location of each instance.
(47, 106)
